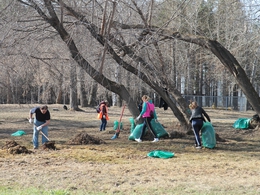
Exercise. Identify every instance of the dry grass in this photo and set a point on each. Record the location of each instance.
(121, 166)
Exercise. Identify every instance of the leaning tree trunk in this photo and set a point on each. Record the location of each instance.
(181, 114)
(230, 62)
(54, 21)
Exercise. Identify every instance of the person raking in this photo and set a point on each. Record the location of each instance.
(41, 122)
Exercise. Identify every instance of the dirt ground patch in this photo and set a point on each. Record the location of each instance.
(14, 148)
(84, 138)
(87, 161)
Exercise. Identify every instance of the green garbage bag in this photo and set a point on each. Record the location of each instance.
(116, 125)
(136, 132)
(132, 121)
(18, 133)
(160, 154)
(242, 123)
(208, 135)
(158, 128)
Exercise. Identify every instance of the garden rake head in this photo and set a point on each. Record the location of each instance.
(116, 135)
(47, 145)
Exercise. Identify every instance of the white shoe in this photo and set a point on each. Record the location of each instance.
(155, 140)
(198, 147)
(138, 140)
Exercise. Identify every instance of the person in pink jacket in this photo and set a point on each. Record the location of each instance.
(148, 113)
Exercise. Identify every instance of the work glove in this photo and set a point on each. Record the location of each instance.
(30, 120)
(104, 116)
(137, 118)
(39, 128)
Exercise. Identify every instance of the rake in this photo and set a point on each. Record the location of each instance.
(49, 144)
(119, 124)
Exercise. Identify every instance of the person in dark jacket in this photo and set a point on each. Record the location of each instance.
(197, 119)
(162, 103)
(140, 106)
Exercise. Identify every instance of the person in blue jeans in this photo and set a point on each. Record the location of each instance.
(41, 122)
(103, 115)
(197, 119)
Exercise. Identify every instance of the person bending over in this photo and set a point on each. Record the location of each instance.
(41, 122)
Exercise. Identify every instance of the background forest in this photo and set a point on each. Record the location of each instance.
(80, 52)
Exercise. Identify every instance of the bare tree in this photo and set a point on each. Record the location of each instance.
(141, 43)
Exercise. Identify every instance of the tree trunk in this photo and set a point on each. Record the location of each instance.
(60, 91)
(59, 96)
(92, 97)
(230, 62)
(235, 97)
(82, 92)
(9, 91)
(73, 87)
(39, 99)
